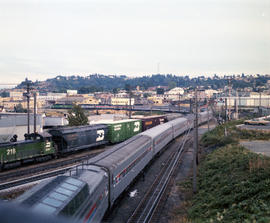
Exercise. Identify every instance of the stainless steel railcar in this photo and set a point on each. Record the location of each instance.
(83, 195)
(94, 204)
(203, 116)
(161, 135)
(124, 162)
(180, 125)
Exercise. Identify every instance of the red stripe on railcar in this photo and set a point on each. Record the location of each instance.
(89, 213)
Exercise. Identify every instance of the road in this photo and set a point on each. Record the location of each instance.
(260, 147)
(255, 127)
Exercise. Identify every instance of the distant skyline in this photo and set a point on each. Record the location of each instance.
(43, 39)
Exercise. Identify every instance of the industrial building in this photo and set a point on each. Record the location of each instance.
(16, 123)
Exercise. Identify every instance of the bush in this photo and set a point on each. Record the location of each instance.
(216, 140)
(76, 116)
(234, 186)
(216, 137)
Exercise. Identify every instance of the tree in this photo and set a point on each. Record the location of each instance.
(76, 116)
(146, 95)
(115, 91)
(4, 94)
(160, 91)
(127, 87)
(19, 109)
(172, 84)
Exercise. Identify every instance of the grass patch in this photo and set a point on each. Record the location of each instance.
(234, 186)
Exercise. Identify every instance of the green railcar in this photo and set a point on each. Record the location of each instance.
(27, 149)
(121, 130)
(61, 106)
(134, 127)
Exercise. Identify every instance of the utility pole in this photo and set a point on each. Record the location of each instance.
(226, 116)
(260, 99)
(95, 108)
(28, 107)
(260, 105)
(226, 110)
(230, 89)
(126, 108)
(236, 105)
(35, 113)
(179, 102)
(208, 114)
(219, 114)
(129, 115)
(195, 144)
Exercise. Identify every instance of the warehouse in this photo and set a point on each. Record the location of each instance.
(16, 123)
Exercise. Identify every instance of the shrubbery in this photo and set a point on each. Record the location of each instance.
(234, 186)
(233, 183)
(216, 137)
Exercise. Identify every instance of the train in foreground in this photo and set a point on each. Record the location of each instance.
(87, 192)
(63, 140)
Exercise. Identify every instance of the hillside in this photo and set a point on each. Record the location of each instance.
(99, 82)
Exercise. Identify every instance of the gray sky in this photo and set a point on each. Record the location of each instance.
(40, 39)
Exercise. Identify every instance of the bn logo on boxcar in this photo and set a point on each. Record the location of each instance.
(100, 134)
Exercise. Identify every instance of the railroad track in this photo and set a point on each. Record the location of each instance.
(32, 179)
(36, 173)
(148, 205)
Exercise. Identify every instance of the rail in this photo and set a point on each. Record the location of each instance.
(146, 208)
(31, 179)
(37, 173)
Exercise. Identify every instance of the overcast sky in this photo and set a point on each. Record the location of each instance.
(40, 39)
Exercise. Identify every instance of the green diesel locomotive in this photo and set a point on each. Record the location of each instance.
(36, 146)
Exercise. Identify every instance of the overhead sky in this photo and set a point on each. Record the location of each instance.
(40, 39)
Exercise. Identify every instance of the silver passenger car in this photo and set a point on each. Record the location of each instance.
(179, 125)
(161, 136)
(95, 203)
(203, 116)
(124, 162)
(55, 196)
(83, 195)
